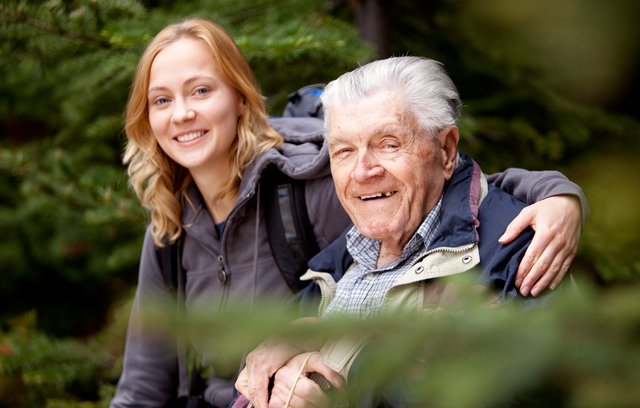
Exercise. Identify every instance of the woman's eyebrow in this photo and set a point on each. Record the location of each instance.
(187, 82)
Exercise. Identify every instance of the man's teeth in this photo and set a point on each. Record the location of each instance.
(379, 195)
(189, 136)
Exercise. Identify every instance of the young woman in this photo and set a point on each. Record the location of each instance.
(198, 142)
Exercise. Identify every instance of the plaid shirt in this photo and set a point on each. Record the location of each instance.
(362, 289)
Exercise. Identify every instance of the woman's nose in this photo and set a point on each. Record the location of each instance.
(182, 112)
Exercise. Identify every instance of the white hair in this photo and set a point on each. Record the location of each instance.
(421, 82)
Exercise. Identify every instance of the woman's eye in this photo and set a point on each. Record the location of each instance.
(160, 101)
(203, 90)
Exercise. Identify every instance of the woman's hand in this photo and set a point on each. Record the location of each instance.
(557, 222)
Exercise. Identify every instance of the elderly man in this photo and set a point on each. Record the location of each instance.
(421, 210)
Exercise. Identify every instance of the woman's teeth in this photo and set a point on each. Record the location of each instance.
(189, 136)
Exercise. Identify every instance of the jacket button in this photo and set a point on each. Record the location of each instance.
(419, 269)
(467, 259)
(222, 276)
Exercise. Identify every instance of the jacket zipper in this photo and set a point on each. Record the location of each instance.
(448, 249)
(222, 277)
(222, 273)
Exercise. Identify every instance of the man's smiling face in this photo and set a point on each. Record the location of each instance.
(388, 172)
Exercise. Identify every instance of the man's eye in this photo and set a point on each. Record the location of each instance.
(341, 152)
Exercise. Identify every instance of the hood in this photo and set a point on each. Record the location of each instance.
(303, 155)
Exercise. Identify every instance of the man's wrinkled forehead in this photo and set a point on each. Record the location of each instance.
(343, 123)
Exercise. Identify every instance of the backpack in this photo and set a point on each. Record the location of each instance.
(305, 102)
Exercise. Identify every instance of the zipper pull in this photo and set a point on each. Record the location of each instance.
(222, 274)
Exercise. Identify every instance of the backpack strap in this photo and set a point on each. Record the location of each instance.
(169, 262)
(289, 230)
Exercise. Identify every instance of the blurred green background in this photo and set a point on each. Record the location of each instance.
(546, 85)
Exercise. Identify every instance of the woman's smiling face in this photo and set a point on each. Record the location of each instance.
(193, 111)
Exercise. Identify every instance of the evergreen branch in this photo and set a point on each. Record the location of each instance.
(23, 18)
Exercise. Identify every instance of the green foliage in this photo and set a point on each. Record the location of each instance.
(73, 229)
(289, 43)
(36, 370)
(66, 66)
(611, 237)
(581, 349)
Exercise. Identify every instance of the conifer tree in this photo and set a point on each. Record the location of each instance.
(75, 227)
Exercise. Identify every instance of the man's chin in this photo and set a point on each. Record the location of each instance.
(395, 233)
(378, 232)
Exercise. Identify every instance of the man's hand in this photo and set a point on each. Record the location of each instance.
(292, 389)
(557, 222)
(262, 363)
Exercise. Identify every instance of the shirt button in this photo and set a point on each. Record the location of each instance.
(222, 276)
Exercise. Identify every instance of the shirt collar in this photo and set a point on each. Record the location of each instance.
(365, 251)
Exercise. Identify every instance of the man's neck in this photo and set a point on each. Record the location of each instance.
(388, 255)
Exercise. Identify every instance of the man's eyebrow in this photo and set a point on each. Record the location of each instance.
(336, 141)
(388, 129)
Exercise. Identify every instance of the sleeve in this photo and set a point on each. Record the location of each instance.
(220, 392)
(533, 186)
(326, 214)
(499, 263)
(150, 369)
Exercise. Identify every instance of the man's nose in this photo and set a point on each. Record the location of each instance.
(367, 167)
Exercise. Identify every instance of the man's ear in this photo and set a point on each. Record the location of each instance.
(448, 142)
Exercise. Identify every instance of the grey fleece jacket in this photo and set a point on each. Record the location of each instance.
(240, 265)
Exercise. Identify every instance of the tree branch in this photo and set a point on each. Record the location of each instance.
(48, 28)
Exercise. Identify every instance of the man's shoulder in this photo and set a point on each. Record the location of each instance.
(499, 206)
(497, 210)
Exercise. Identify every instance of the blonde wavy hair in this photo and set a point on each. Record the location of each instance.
(160, 183)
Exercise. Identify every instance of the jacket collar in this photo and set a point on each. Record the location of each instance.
(460, 203)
